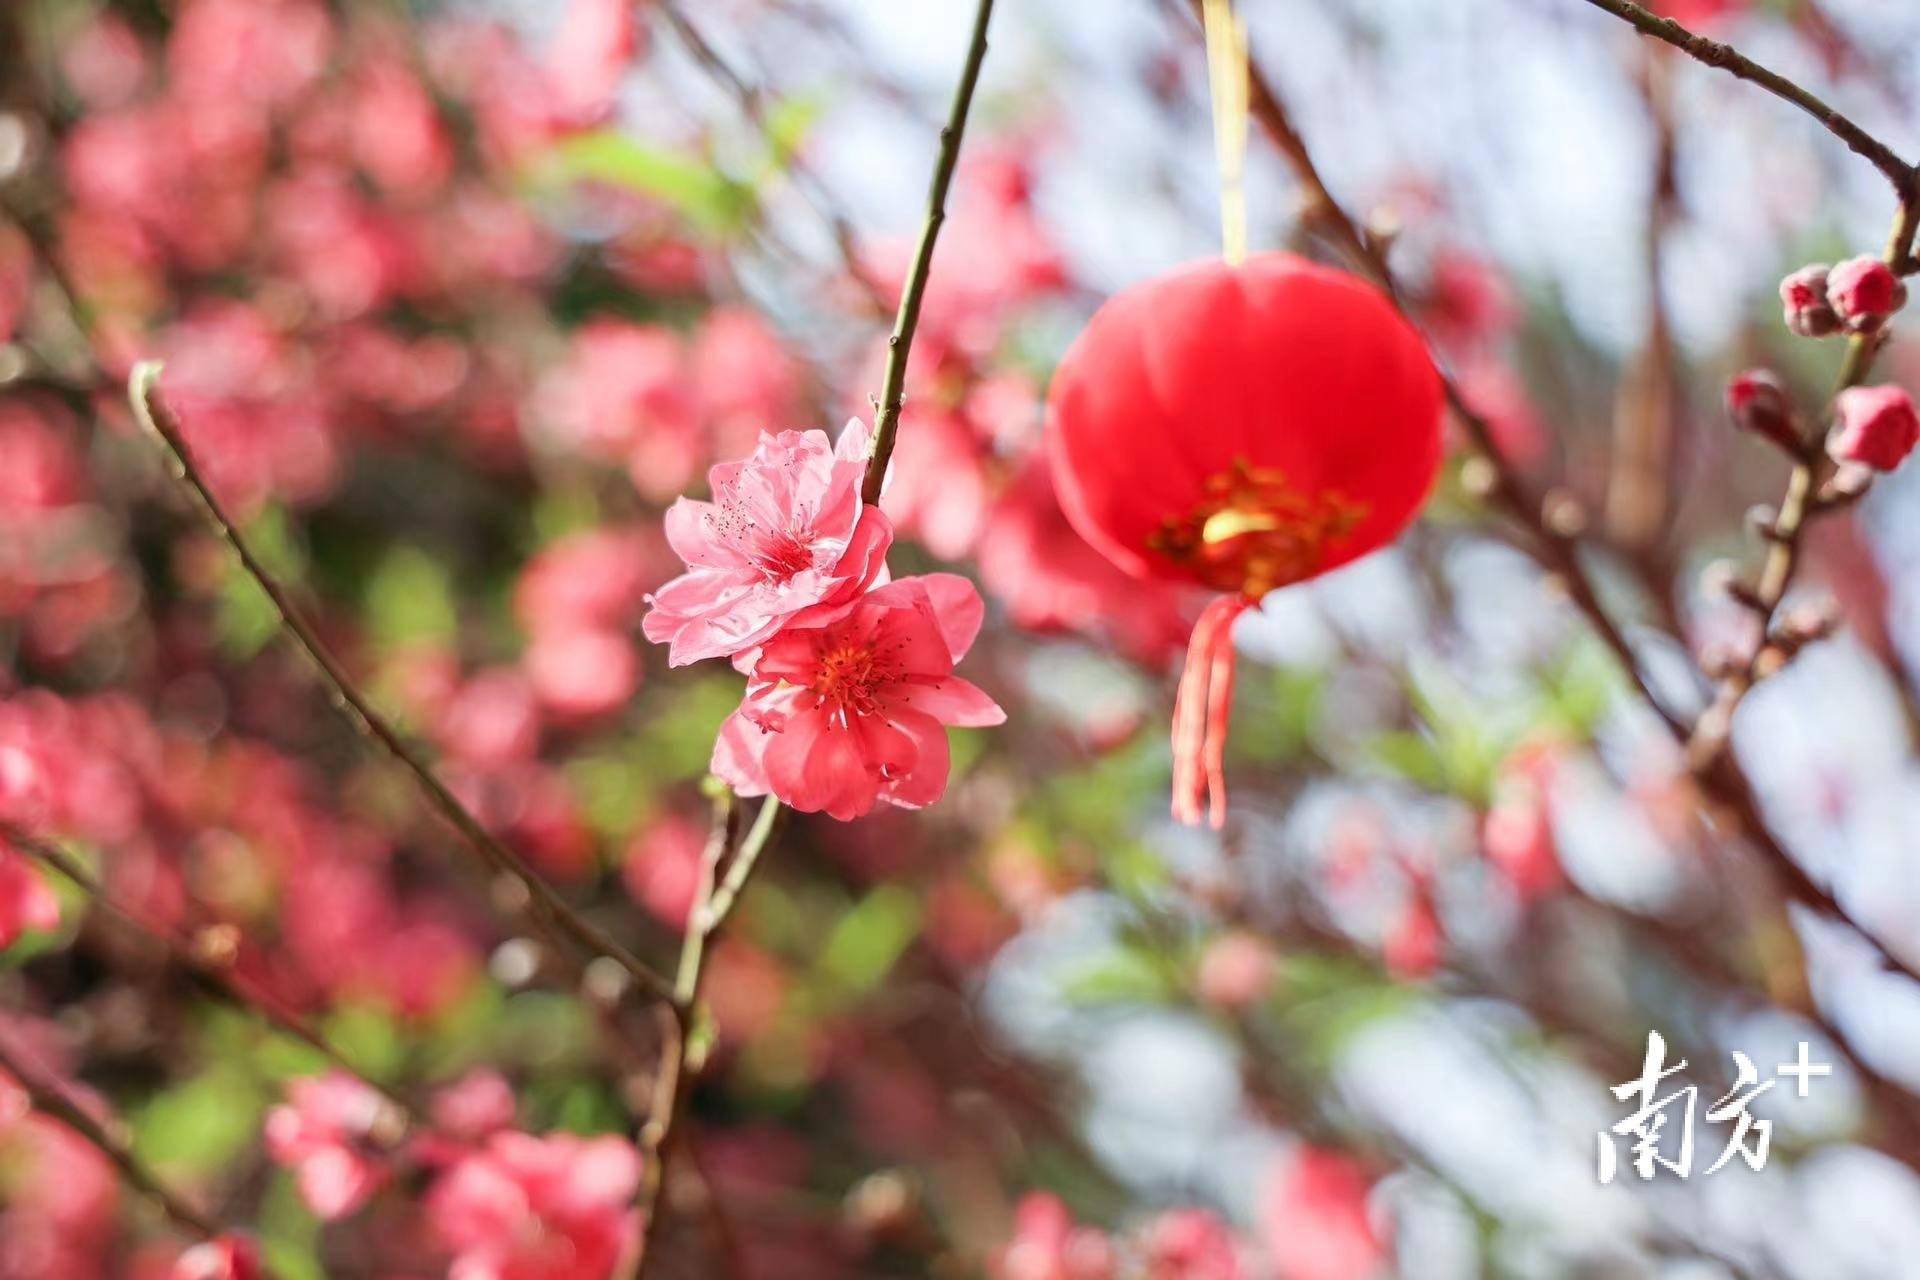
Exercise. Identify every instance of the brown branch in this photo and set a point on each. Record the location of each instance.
(1731, 60)
(887, 418)
(208, 970)
(678, 1057)
(550, 913)
(49, 1098)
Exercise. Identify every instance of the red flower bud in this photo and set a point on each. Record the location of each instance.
(1757, 402)
(1804, 297)
(1863, 292)
(1874, 427)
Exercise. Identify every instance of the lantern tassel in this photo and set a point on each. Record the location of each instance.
(1201, 709)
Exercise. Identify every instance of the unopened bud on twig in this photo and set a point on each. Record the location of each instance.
(1806, 624)
(1803, 297)
(1563, 513)
(1764, 521)
(1722, 578)
(1863, 292)
(1757, 402)
(1873, 427)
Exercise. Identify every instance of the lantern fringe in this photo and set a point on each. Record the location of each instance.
(1201, 710)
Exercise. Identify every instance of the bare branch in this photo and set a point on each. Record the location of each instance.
(548, 911)
(1727, 58)
(887, 420)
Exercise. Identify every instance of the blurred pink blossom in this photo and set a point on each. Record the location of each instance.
(325, 1133)
(528, 1208)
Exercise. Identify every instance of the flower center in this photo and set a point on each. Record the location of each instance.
(783, 555)
(847, 679)
(1252, 531)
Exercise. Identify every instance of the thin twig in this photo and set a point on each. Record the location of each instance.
(49, 1098)
(751, 101)
(717, 908)
(662, 1129)
(1798, 508)
(548, 911)
(1731, 60)
(893, 392)
(216, 976)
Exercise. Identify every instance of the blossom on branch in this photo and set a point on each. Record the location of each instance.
(844, 715)
(785, 534)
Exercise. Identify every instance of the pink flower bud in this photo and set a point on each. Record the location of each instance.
(1863, 292)
(1804, 297)
(1757, 402)
(1874, 427)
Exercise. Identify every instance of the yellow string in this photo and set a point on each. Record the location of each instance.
(1228, 79)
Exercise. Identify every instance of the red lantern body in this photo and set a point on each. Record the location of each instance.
(1243, 428)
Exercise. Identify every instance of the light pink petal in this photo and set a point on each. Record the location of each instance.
(954, 701)
(739, 756)
(690, 532)
(855, 443)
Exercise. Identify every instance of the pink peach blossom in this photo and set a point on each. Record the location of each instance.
(1048, 1244)
(786, 534)
(226, 1257)
(1190, 1244)
(527, 1208)
(26, 903)
(1315, 1219)
(841, 716)
(324, 1132)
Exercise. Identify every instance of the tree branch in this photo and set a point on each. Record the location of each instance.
(212, 973)
(547, 910)
(1731, 60)
(887, 419)
(50, 1099)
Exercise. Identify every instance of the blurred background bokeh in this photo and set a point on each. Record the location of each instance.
(456, 297)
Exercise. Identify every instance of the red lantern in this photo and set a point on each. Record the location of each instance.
(1242, 428)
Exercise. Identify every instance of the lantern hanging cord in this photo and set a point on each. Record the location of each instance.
(1229, 79)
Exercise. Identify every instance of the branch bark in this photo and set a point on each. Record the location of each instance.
(887, 419)
(550, 913)
(49, 1098)
(1726, 58)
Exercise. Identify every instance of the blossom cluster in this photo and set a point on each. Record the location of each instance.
(1873, 428)
(850, 676)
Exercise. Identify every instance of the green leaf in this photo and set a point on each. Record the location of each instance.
(1121, 977)
(787, 125)
(369, 1038)
(197, 1127)
(870, 937)
(1411, 756)
(708, 198)
(408, 599)
(245, 619)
